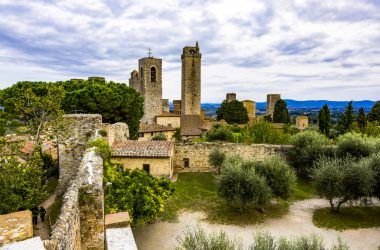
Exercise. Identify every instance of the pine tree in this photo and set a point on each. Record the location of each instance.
(362, 120)
(346, 119)
(281, 113)
(374, 114)
(324, 119)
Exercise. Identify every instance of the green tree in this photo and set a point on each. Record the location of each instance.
(308, 147)
(220, 133)
(324, 119)
(232, 112)
(280, 177)
(374, 162)
(21, 183)
(216, 159)
(362, 120)
(374, 114)
(354, 145)
(159, 137)
(343, 180)
(346, 119)
(177, 135)
(281, 113)
(242, 187)
(264, 132)
(3, 126)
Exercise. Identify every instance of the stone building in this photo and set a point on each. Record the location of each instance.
(191, 126)
(302, 122)
(117, 131)
(251, 109)
(271, 101)
(169, 120)
(191, 80)
(230, 97)
(147, 131)
(165, 106)
(155, 157)
(148, 81)
(177, 107)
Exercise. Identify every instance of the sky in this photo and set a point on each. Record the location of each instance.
(301, 49)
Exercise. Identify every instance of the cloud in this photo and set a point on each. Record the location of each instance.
(303, 49)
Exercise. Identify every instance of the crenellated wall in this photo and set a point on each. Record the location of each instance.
(196, 154)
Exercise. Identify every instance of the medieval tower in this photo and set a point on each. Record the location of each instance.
(148, 81)
(271, 101)
(191, 81)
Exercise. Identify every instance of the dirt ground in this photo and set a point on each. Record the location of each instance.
(163, 235)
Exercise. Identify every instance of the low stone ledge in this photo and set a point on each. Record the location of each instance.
(117, 220)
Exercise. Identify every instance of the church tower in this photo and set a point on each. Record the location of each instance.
(148, 81)
(191, 81)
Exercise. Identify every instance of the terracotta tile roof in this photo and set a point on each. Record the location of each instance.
(147, 128)
(129, 148)
(167, 114)
(191, 125)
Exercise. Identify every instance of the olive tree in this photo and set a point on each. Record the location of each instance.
(216, 159)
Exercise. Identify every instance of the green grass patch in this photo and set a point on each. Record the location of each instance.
(303, 190)
(347, 218)
(197, 192)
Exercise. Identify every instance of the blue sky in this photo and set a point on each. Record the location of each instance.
(301, 49)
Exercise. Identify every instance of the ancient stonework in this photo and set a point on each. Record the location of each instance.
(15, 227)
(165, 106)
(82, 127)
(193, 157)
(271, 101)
(116, 132)
(177, 107)
(191, 80)
(302, 122)
(230, 97)
(251, 108)
(148, 82)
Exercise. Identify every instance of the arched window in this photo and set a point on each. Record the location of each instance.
(153, 74)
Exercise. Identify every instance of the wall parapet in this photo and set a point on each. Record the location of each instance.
(193, 156)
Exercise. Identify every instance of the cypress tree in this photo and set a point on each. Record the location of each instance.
(362, 120)
(324, 119)
(346, 119)
(281, 113)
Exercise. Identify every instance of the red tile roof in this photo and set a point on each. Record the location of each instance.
(129, 148)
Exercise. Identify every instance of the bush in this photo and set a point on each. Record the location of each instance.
(374, 162)
(220, 133)
(343, 180)
(159, 137)
(216, 159)
(354, 145)
(279, 176)
(264, 132)
(103, 133)
(309, 146)
(242, 187)
(102, 148)
(198, 239)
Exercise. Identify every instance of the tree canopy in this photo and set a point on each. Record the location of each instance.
(362, 120)
(374, 114)
(346, 119)
(281, 113)
(232, 112)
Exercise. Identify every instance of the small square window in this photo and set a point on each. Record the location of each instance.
(186, 162)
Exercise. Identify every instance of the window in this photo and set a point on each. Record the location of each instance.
(151, 133)
(146, 168)
(153, 74)
(141, 134)
(186, 162)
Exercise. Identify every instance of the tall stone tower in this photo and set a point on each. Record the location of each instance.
(230, 97)
(148, 81)
(271, 101)
(191, 81)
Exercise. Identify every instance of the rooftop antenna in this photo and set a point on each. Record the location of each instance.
(149, 52)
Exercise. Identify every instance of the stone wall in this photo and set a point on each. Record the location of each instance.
(15, 227)
(82, 127)
(197, 154)
(80, 224)
(159, 167)
(116, 132)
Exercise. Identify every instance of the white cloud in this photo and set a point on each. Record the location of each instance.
(302, 49)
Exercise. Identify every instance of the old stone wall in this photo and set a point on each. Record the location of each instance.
(173, 121)
(116, 132)
(81, 128)
(159, 167)
(80, 224)
(15, 227)
(191, 81)
(193, 157)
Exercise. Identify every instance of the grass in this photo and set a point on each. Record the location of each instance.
(348, 218)
(304, 190)
(197, 192)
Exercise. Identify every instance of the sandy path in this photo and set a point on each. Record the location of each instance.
(298, 221)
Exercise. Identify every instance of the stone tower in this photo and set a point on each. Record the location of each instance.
(251, 108)
(271, 101)
(191, 81)
(148, 81)
(230, 97)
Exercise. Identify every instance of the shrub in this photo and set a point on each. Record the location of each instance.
(177, 135)
(159, 137)
(264, 132)
(343, 180)
(220, 133)
(198, 239)
(354, 145)
(309, 146)
(242, 187)
(103, 133)
(102, 148)
(280, 177)
(374, 162)
(216, 159)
